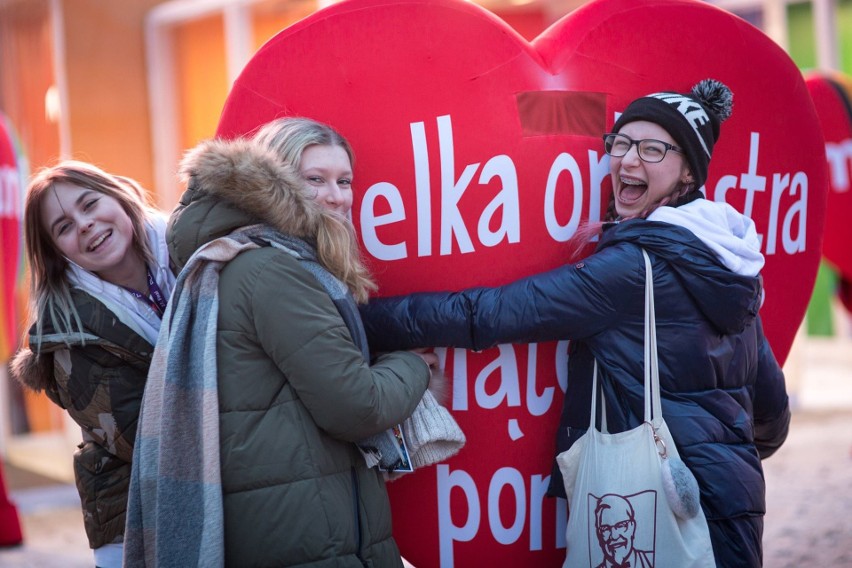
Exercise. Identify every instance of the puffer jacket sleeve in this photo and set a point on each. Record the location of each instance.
(301, 330)
(771, 404)
(569, 302)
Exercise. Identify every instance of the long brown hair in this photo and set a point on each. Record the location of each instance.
(50, 290)
(337, 244)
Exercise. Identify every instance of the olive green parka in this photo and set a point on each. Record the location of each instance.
(295, 393)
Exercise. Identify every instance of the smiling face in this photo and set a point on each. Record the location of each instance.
(327, 171)
(638, 186)
(92, 230)
(616, 530)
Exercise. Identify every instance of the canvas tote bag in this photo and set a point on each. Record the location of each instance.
(621, 510)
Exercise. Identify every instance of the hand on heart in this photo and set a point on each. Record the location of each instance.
(477, 156)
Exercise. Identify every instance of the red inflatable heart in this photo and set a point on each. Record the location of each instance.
(12, 182)
(832, 93)
(478, 154)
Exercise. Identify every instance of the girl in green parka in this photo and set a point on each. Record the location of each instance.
(100, 280)
(266, 354)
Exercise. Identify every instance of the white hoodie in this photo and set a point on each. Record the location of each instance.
(726, 231)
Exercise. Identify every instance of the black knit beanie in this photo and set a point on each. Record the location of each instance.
(692, 119)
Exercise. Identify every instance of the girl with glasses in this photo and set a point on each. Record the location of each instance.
(723, 392)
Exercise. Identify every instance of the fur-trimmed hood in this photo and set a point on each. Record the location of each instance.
(232, 184)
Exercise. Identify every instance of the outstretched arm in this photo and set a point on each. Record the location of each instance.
(568, 302)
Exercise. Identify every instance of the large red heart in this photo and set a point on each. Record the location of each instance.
(832, 93)
(478, 154)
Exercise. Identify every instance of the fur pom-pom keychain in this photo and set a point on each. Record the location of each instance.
(681, 488)
(679, 484)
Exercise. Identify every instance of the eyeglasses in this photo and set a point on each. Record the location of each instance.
(607, 530)
(650, 150)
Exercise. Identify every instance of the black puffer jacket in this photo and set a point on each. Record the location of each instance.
(723, 392)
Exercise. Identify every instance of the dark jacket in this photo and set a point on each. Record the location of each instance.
(723, 392)
(98, 378)
(294, 391)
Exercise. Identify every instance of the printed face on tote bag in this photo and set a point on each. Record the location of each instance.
(623, 538)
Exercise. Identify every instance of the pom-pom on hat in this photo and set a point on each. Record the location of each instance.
(692, 119)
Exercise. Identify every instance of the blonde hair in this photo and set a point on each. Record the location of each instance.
(50, 290)
(337, 244)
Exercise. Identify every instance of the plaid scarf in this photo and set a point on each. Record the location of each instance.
(174, 512)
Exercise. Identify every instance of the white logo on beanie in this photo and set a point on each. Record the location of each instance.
(691, 110)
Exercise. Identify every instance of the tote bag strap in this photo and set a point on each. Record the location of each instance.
(596, 387)
(653, 408)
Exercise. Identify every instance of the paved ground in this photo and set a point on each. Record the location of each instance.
(809, 481)
(809, 494)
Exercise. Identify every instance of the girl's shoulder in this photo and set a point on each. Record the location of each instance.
(266, 270)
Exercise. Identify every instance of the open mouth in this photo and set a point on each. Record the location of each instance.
(99, 241)
(631, 190)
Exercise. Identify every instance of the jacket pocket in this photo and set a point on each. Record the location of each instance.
(103, 481)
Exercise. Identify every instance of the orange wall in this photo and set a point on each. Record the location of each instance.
(202, 80)
(107, 85)
(26, 73)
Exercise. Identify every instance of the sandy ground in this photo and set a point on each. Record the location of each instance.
(809, 494)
